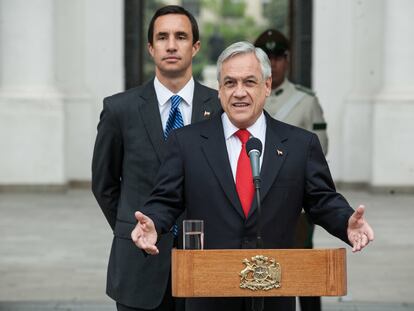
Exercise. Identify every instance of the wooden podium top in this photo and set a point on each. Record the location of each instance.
(217, 273)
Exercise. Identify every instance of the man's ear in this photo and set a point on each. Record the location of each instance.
(196, 47)
(268, 84)
(150, 49)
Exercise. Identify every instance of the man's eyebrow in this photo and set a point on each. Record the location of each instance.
(162, 33)
(228, 78)
(180, 33)
(250, 77)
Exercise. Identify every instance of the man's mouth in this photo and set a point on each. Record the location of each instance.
(171, 58)
(240, 104)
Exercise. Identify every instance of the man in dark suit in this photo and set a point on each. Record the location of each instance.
(202, 175)
(129, 149)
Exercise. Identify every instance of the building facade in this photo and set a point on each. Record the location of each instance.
(363, 75)
(59, 58)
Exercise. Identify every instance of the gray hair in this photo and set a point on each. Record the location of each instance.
(245, 47)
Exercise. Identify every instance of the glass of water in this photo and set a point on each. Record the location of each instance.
(193, 234)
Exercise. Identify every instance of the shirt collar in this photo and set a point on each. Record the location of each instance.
(164, 94)
(256, 130)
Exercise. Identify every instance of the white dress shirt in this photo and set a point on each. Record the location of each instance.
(233, 143)
(164, 102)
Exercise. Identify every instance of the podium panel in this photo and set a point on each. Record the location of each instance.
(223, 273)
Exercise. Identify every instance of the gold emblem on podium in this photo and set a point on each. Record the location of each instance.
(261, 273)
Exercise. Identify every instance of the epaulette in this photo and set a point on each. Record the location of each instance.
(305, 89)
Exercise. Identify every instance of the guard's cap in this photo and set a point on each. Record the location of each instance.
(273, 42)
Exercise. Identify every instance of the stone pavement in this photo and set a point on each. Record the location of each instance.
(54, 249)
(98, 306)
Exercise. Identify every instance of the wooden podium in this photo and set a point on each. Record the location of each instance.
(220, 273)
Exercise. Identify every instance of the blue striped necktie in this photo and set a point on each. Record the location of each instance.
(175, 119)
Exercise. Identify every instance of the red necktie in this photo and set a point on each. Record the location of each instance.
(244, 177)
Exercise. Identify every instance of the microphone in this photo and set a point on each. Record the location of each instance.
(254, 151)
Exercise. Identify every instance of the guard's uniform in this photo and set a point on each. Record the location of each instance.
(297, 105)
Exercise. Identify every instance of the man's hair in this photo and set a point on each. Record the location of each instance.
(173, 9)
(244, 47)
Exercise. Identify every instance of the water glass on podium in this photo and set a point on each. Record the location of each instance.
(193, 234)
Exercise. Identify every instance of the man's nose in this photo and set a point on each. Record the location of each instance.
(240, 90)
(172, 44)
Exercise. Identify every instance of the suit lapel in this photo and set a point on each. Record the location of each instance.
(274, 155)
(203, 104)
(150, 114)
(203, 108)
(215, 151)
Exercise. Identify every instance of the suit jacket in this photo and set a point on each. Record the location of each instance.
(128, 151)
(196, 176)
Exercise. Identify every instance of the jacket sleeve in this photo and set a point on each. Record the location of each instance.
(325, 206)
(107, 164)
(166, 202)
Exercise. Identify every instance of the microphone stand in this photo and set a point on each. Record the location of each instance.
(259, 241)
(258, 303)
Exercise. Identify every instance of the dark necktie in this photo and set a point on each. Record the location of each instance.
(244, 176)
(175, 119)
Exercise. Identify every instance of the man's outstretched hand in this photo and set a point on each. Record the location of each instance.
(144, 234)
(359, 231)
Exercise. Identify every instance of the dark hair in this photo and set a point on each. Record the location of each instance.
(173, 9)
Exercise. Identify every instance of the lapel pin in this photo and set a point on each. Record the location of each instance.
(279, 152)
(206, 113)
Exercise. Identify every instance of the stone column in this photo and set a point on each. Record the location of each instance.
(393, 123)
(31, 109)
(366, 55)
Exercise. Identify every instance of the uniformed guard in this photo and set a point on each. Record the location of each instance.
(296, 105)
(290, 103)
